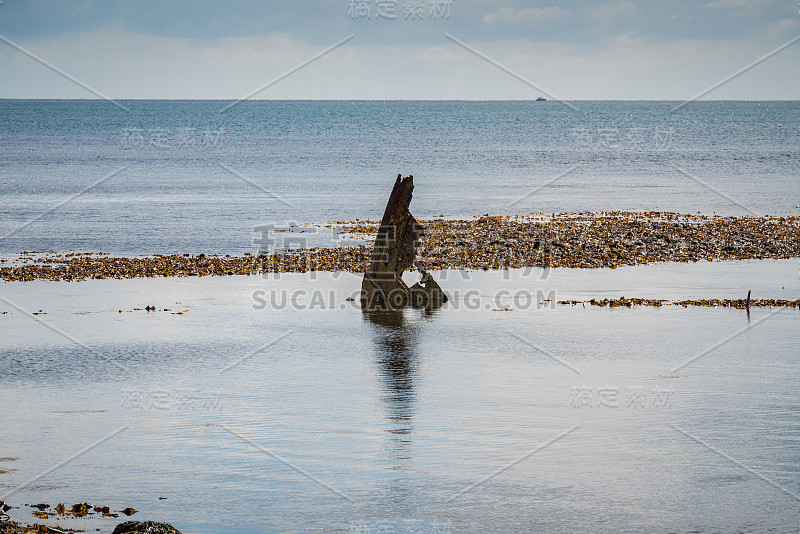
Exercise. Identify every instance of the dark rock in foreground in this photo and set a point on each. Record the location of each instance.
(145, 527)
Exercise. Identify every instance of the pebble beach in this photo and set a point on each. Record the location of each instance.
(573, 240)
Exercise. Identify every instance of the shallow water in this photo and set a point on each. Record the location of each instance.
(305, 415)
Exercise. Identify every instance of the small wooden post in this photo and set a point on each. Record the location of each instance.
(747, 303)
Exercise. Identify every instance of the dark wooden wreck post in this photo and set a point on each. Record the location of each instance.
(394, 253)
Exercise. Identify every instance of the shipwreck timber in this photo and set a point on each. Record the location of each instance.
(394, 252)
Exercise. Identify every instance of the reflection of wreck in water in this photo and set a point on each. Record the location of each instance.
(396, 340)
(397, 362)
(396, 357)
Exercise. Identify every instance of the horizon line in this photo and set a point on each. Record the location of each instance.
(399, 99)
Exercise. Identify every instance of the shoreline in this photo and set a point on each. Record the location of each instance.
(574, 240)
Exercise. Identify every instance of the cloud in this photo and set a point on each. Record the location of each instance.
(618, 49)
(624, 68)
(533, 16)
(626, 41)
(783, 28)
(610, 12)
(126, 64)
(726, 4)
(438, 53)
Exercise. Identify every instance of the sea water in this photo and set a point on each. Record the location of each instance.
(500, 412)
(193, 176)
(273, 404)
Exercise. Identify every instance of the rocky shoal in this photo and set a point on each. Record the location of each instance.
(576, 240)
(739, 304)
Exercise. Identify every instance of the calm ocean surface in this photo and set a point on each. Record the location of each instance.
(193, 178)
(275, 405)
(309, 416)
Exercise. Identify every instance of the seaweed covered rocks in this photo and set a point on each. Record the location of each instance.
(578, 240)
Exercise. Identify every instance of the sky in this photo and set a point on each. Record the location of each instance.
(399, 49)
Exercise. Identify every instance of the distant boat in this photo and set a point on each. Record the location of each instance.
(541, 99)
